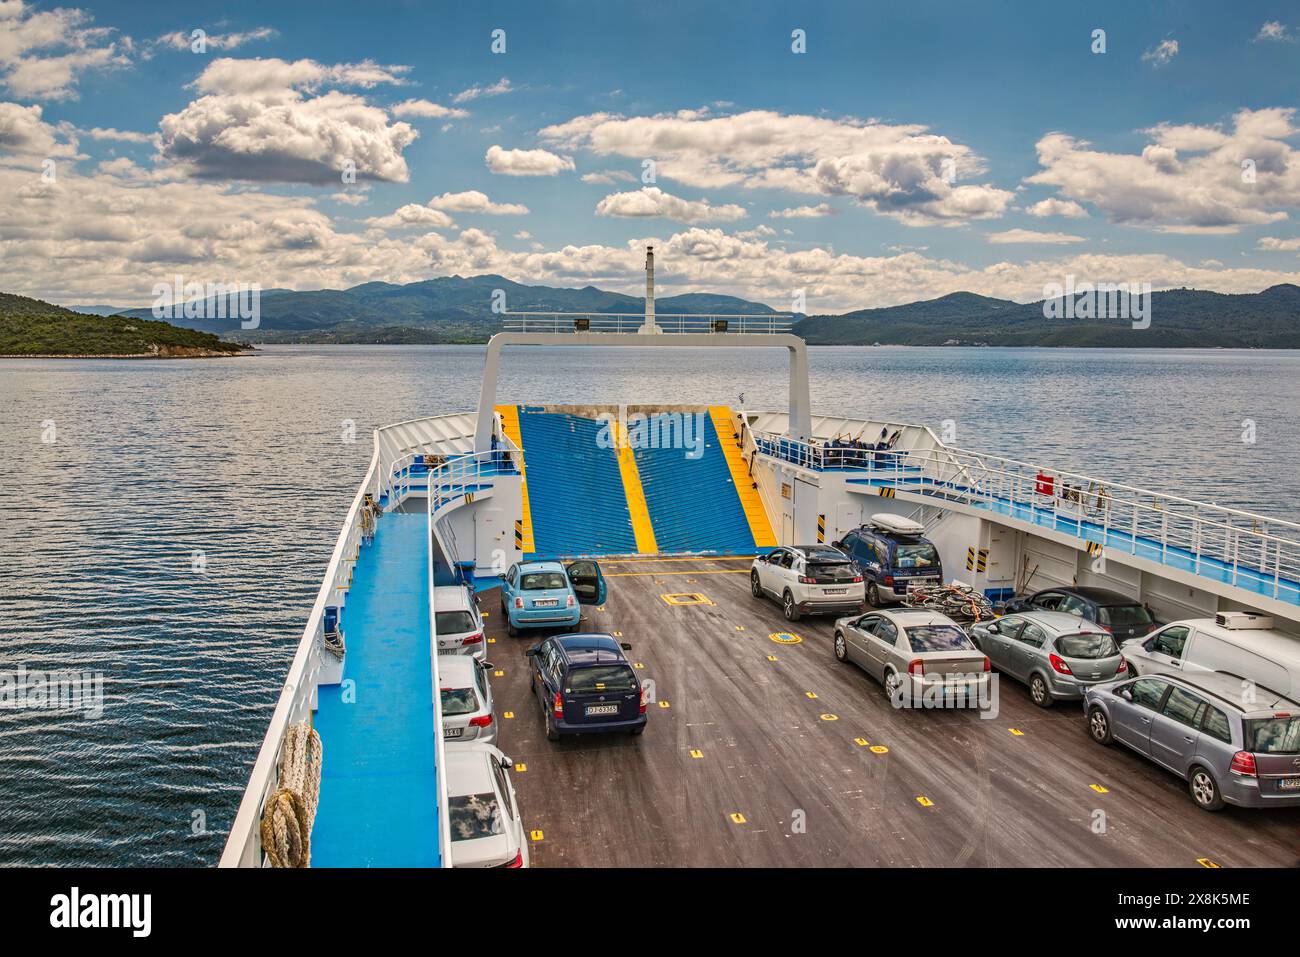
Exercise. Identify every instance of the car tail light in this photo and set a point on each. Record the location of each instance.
(518, 861)
(1281, 714)
(1123, 667)
(805, 580)
(1108, 629)
(916, 667)
(481, 721)
(857, 579)
(568, 601)
(558, 707)
(645, 691)
(1059, 666)
(519, 602)
(988, 665)
(889, 580)
(473, 639)
(1243, 762)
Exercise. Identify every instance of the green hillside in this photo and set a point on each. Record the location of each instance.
(30, 327)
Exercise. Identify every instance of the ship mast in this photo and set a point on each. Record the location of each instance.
(648, 327)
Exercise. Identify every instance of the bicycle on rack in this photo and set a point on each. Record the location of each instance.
(957, 600)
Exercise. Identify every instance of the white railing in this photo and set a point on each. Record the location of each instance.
(561, 322)
(298, 696)
(1241, 548)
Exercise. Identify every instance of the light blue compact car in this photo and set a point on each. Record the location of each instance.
(549, 594)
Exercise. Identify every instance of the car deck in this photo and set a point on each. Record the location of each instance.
(766, 752)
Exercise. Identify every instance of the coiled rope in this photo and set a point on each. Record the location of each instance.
(288, 815)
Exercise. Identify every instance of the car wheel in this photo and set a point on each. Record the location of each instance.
(893, 683)
(1038, 692)
(551, 733)
(755, 586)
(511, 630)
(1204, 790)
(788, 606)
(1132, 669)
(1099, 726)
(873, 596)
(841, 649)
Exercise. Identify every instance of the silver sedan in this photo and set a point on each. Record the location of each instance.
(922, 658)
(1058, 656)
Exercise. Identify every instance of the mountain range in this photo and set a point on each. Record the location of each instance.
(459, 309)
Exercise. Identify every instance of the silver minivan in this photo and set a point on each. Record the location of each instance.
(1235, 643)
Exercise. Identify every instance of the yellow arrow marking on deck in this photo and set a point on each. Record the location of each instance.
(737, 818)
(618, 634)
(1017, 732)
(830, 717)
(535, 835)
(924, 802)
(507, 714)
(1206, 862)
(697, 753)
(879, 749)
(861, 742)
(1099, 789)
(521, 767)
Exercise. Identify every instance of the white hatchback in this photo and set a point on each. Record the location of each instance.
(459, 624)
(486, 827)
(808, 580)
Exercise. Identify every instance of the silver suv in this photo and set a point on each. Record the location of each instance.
(808, 579)
(1232, 741)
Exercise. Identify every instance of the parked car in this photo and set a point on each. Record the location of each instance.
(458, 622)
(487, 829)
(1056, 654)
(808, 579)
(584, 684)
(915, 654)
(1227, 750)
(1236, 643)
(548, 594)
(1122, 616)
(466, 698)
(892, 553)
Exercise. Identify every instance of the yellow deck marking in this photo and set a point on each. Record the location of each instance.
(811, 694)
(498, 673)
(737, 818)
(510, 426)
(924, 801)
(492, 641)
(521, 767)
(1099, 789)
(535, 835)
(740, 628)
(879, 749)
(685, 598)
(759, 524)
(635, 493)
(485, 614)
(718, 571)
(830, 717)
(1017, 732)
(600, 608)
(771, 657)
(618, 634)
(785, 637)
(507, 714)
(639, 664)
(1206, 862)
(697, 753)
(663, 704)
(861, 742)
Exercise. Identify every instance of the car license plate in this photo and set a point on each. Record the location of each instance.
(595, 710)
(836, 591)
(452, 732)
(1289, 784)
(546, 602)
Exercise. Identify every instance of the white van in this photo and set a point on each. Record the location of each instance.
(1236, 643)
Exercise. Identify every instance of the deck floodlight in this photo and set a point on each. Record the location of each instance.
(581, 324)
(719, 325)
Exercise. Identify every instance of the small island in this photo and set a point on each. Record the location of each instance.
(30, 328)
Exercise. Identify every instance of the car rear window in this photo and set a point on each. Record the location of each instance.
(595, 678)
(1122, 616)
(1087, 645)
(542, 581)
(1273, 735)
(457, 701)
(832, 571)
(453, 622)
(917, 556)
(474, 815)
(938, 638)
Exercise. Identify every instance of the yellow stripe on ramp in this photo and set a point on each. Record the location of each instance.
(755, 513)
(510, 425)
(636, 504)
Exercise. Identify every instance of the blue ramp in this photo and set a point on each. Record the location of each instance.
(378, 794)
(693, 503)
(575, 490)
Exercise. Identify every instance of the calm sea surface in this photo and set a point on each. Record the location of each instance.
(244, 461)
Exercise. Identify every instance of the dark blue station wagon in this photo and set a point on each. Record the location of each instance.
(585, 685)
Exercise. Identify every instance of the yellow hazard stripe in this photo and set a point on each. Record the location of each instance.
(635, 493)
(524, 530)
(759, 524)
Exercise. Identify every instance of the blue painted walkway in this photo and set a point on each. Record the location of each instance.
(378, 796)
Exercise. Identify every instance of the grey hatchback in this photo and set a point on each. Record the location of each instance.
(1231, 741)
(1056, 654)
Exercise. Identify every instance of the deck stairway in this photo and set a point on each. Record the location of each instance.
(576, 500)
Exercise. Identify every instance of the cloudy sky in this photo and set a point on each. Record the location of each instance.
(866, 153)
